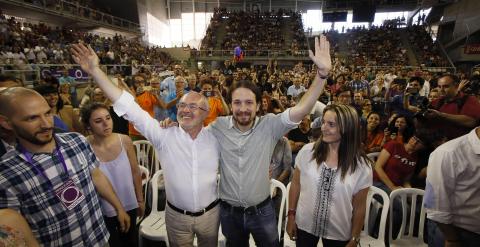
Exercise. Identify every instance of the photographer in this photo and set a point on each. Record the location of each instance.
(412, 100)
(454, 113)
(216, 103)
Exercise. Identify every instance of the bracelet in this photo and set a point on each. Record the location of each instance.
(356, 240)
(291, 212)
(324, 77)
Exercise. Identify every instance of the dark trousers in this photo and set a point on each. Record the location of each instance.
(118, 238)
(238, 225)
(436, 239)
(305, 239)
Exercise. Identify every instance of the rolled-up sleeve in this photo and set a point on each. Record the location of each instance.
(440, 187)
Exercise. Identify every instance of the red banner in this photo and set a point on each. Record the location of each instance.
(472, 49)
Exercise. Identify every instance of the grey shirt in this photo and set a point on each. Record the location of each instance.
(281, 158)
(245, 157)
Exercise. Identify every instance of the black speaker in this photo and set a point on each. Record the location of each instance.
(364, 12)
(335, 17)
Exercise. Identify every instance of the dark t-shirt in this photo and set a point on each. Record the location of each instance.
(297, 135)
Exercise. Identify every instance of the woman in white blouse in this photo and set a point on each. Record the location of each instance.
(328, 192)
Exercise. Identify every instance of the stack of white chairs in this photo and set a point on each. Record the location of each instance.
(153, 226)
(146, 155)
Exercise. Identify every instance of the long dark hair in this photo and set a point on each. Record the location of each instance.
(409, 129)
(350, 148)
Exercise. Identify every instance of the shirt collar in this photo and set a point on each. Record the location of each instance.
(474, 141)
(188, 135)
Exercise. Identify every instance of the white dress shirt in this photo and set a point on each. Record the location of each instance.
(452, 193)
(190, 166)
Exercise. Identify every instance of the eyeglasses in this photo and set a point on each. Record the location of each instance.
(192, 107)
(418, 140)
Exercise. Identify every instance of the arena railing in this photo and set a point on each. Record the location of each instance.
(33, 75)
(249, 53)
(75, 11)
(430, 69)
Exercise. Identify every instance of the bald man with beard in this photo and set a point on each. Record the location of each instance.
(52, 179)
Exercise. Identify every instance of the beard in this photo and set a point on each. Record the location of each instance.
(33, 138)
(245, 121)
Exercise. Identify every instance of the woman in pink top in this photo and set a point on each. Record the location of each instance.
(119, 163)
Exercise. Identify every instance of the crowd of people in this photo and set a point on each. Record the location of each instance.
(376, 46)
(255, 31)
(69, 169)
(427, 52)
(23, 44)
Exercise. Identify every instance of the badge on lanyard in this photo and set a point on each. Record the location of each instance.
(68, 193)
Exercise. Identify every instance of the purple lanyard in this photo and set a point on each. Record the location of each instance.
(29, 156)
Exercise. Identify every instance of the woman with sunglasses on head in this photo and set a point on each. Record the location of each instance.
(119, 163)
(332, 176)
(395, 167)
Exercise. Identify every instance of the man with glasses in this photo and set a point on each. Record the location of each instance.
(189, 155)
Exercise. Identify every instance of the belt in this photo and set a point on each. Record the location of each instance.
(194, 214)
(248, 210)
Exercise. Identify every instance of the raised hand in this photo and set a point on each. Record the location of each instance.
(321, 57)
(85, 56)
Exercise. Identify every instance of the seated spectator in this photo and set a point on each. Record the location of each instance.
(396, 165)
(375, 136)
(65, 117)
(366, 108)
(396, 162)
(400, 129)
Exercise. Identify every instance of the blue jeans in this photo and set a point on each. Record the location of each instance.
(237, 226)
(435, 236)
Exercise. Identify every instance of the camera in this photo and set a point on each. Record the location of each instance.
(207, 93)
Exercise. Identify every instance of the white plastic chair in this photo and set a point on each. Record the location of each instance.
(373, 156)
(372, 203)
(402, 239)
(146, 155)
(153, 226)
(145, 175)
